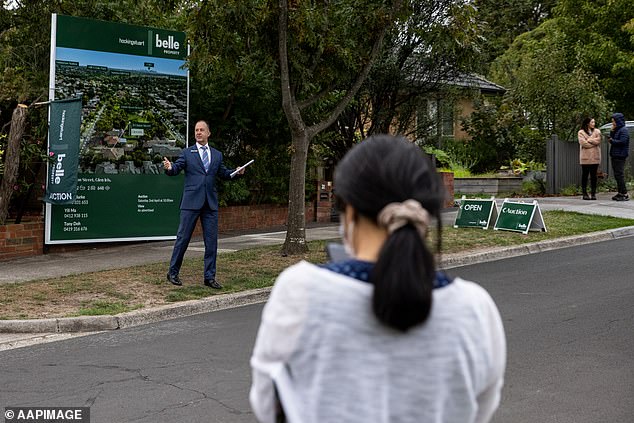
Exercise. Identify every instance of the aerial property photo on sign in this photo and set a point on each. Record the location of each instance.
(134, 92)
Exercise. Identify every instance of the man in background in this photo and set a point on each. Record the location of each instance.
(202, 165)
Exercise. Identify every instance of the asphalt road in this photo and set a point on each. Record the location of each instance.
(192, 369)
(568, 316)
(569, 321)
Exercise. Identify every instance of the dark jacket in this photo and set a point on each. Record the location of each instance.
(620, 145)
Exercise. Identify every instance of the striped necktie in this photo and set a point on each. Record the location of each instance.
(205, 158)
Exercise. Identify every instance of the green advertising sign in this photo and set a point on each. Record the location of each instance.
(119, 207)
(91, 34)
(63, 151)
(133, 115)
(476, 213)
(520, 217)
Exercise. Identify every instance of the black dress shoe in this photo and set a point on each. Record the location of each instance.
(212, 283)
(174, 279)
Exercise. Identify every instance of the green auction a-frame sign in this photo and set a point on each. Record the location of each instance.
(520, 217)
(476, 213)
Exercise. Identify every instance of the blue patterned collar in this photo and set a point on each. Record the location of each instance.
(361, 270)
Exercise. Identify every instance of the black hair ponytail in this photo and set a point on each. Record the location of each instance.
(383, 170)
(403, 279)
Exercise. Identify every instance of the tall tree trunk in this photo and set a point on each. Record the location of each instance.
(295, 242)
(12, 160)
(302, 134)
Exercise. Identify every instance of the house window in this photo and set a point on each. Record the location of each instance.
(447, 119)
(430, 117)
(441, 113)
(436, 118)
(432, 110)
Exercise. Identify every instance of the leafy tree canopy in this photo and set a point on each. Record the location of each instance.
(503, 20)
(547, 83)
(601, 37)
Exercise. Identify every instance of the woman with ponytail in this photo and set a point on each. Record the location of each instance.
(382, 336)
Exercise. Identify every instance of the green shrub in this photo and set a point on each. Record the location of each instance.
(455, 157)
(534, 187)
(518, 167)
(606, 185)
(570, 190)
(458, 172)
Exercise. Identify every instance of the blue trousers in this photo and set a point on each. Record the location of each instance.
(209, 223)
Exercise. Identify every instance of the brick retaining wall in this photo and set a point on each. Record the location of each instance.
(259, 216)
(448, 182)
(27, 239)
(21, 240)
(238, 218)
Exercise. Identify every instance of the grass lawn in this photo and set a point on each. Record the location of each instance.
(117, 291)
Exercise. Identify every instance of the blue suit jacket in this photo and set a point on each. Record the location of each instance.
(199, 185)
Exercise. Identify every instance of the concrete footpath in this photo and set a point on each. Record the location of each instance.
(16, 333)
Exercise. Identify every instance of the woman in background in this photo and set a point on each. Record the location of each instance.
(589, 156)
(382, 336)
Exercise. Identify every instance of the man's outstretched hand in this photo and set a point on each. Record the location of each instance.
(167, 164)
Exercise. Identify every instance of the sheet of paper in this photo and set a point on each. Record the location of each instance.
(241, 167)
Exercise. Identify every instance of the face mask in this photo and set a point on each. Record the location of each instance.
(346, 237)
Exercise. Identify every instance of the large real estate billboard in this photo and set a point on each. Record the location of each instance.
(134, 91)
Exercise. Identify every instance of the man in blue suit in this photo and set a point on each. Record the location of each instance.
(202, 164)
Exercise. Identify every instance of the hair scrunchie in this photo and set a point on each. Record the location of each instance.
(396, 215)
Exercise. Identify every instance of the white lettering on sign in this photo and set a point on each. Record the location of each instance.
(59, 169)
(170, 43)
(131, 42)
(473, 207)
(62, 196)
(514, 211)
(61, 125)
